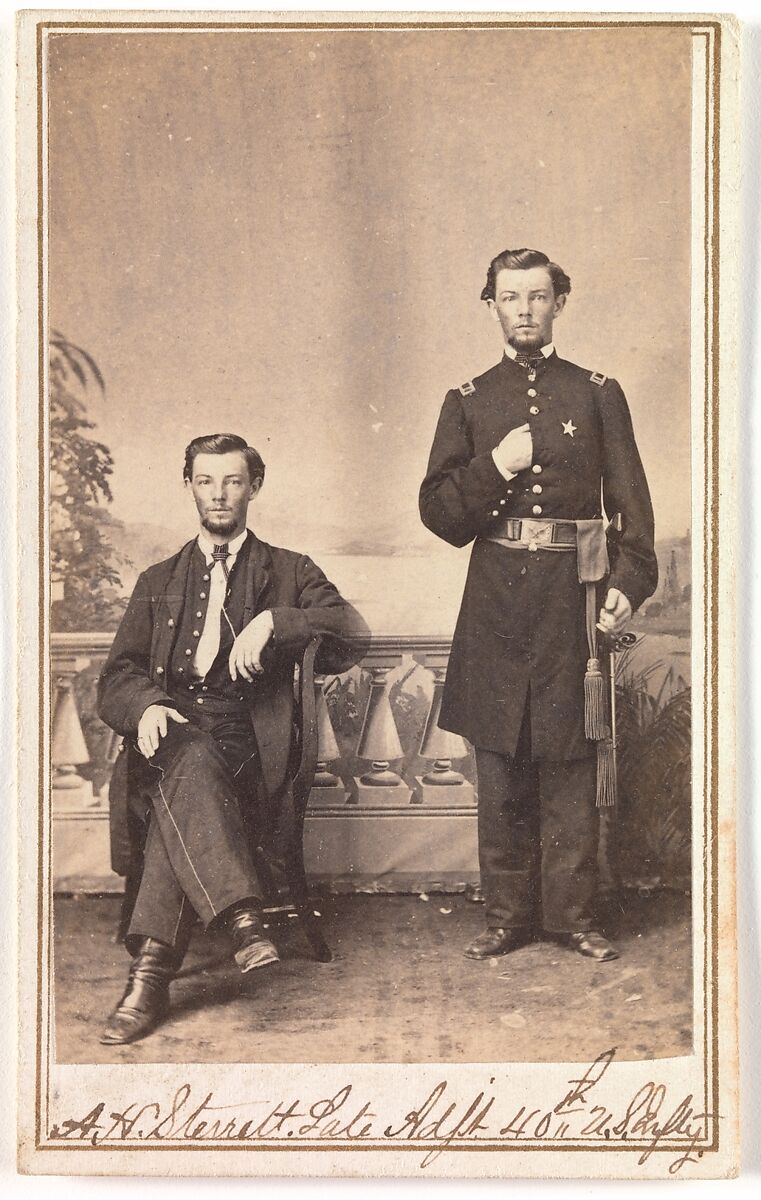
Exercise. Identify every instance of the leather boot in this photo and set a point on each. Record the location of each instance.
(251, 945)
(496, 941)
(146, 997)
(592, 944)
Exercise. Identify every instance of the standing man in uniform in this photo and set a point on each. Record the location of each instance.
(200, 683)
(525, 461)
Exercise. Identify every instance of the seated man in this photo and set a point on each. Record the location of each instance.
(200, 683)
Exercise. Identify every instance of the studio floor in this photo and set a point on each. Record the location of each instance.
(398, 990)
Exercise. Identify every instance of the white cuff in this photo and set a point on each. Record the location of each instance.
(506, 475)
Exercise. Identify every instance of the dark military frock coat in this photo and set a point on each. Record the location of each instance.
(521, 635)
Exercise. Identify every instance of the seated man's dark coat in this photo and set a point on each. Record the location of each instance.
(303, 603)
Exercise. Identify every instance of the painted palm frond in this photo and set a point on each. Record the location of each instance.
(76, 360)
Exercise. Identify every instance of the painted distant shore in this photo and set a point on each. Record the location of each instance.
(414, 588)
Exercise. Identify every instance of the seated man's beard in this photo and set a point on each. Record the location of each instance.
(218, 525)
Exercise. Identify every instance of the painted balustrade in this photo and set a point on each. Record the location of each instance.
(380, 755)
(400, 677)
(393, 804)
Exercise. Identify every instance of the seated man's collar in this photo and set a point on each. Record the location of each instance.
(206, 544)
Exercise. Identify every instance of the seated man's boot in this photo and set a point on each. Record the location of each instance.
(496, 941)
(592, 944)
(146, 997)
(253, 948)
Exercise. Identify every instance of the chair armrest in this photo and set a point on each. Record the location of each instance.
(307, 766)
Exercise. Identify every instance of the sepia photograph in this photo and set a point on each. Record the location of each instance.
(375, 383)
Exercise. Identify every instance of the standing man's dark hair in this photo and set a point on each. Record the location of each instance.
(523, 260)
(223, 443)
(527, 462)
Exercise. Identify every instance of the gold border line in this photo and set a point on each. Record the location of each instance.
(377, 26)
(711, 31)
(42, 568)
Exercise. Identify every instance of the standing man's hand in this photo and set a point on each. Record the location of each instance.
(515, 451)
(246, 654)
(153, 726)
(615, 614)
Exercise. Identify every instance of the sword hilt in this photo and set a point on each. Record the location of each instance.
(623, 642)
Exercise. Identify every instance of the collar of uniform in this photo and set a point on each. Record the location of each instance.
(546, 351)
(206, 546)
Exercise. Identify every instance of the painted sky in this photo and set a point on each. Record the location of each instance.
(285, 235)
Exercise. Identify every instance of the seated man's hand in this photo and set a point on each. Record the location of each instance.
(153, 727)
(515, 451)
(246, 655)
(615, 614)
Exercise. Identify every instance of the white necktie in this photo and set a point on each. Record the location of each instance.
(208, 643)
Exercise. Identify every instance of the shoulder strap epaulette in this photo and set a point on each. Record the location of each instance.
(598, 378)
(467, 389)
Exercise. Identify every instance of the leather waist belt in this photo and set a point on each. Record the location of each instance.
(530, 533)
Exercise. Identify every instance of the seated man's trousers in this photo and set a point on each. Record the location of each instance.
(199, 794)
(537, 839)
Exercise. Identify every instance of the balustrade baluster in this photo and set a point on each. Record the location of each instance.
(442, 784)
(379, 740)
(327, 746)
(68, 749)
(328, 790)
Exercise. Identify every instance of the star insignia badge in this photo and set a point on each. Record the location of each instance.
(569, 427)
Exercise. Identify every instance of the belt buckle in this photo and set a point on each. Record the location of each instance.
(538, 533)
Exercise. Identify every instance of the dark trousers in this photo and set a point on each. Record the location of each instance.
(199, 798)
(537, 839)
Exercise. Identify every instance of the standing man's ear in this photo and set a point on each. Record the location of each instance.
(560, 304)
(256, 487)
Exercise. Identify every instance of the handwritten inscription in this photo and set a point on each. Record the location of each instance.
(649, 1120)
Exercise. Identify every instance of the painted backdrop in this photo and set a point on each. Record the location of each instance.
(285, 234)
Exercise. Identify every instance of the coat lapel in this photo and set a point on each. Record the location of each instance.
(257, 578)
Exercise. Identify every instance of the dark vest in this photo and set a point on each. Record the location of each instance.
(184, 681)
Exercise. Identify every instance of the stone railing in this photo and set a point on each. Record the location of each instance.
(393, 805)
